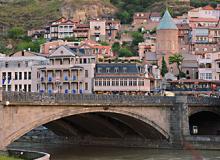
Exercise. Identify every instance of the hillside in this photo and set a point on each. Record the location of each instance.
(36, 13)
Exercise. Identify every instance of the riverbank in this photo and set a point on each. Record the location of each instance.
(8, 158)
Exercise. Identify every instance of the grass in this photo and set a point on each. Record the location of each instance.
(36, 13)
(8, 158)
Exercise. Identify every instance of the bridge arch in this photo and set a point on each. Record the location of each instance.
(204, 122)
(72, 112)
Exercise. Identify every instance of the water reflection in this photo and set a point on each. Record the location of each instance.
(106, 153)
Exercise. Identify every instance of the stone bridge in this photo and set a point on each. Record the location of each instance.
(147, 118)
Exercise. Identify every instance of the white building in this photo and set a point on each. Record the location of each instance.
(19, 73)
(205, 12)
(209, 66)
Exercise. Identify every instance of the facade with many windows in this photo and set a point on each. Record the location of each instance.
(69, 71)
(121, 78)
(209, 66)
(19, 73)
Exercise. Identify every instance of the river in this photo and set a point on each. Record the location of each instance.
(108, 153)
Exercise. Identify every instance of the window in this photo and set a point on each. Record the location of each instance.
(9, 75)
(130, 82)
(100, 82)
(19, 65)
(117, 82)
(135, 82)
(25, 88)
(125, 82)
(108, 82)
(86, 86)
(26, 64)
(99, 70)
(25, 75)
(16, 87)
(20, 75)
(113, 82)
(209, 76)
(187, 72)
(86, 73)
(29, 88)
(121, 82)
(16, 75)
(6, 64)
(107, 70)
(124, 69)
(104, 82)
(4, 77)
(20, 87)
(116, 70)
(9, 88)
(29, 75)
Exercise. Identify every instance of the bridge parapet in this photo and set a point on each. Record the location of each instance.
(203, 101)
(95, 99)
(92, 99)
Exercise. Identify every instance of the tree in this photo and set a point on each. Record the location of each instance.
(124, 17)
(33, 45)
(116, 47)
(124, 52)
(137, 38)
(178, 59)
(16, 33)
(164, 69)
(104, 43)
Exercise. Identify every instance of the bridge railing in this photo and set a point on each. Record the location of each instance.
(95, 99)
(203, 101)
(21, 97)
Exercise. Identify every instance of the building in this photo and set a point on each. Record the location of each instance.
(140, 18)
(167, 37)
(146, 47)
(190, 66)
(209, 66)
(81, 31)
(184, 31)
(112, 30)
(60, 29)
(70, 71)
(18, 72)
(207, 11)
(98, 30)
(124, 78)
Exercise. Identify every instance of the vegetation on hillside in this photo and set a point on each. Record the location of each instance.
(29, 13)
(127, 7)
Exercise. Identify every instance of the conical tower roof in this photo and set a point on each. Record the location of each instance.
(167, 22)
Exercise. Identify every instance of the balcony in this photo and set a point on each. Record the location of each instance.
(66, 78)
(74, 78)
(50, 79)
(42, 79)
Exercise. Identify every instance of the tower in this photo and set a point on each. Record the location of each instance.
(167, 37)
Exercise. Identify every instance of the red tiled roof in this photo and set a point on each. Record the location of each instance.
(208, 7)
(203, 20)
(183, 26)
